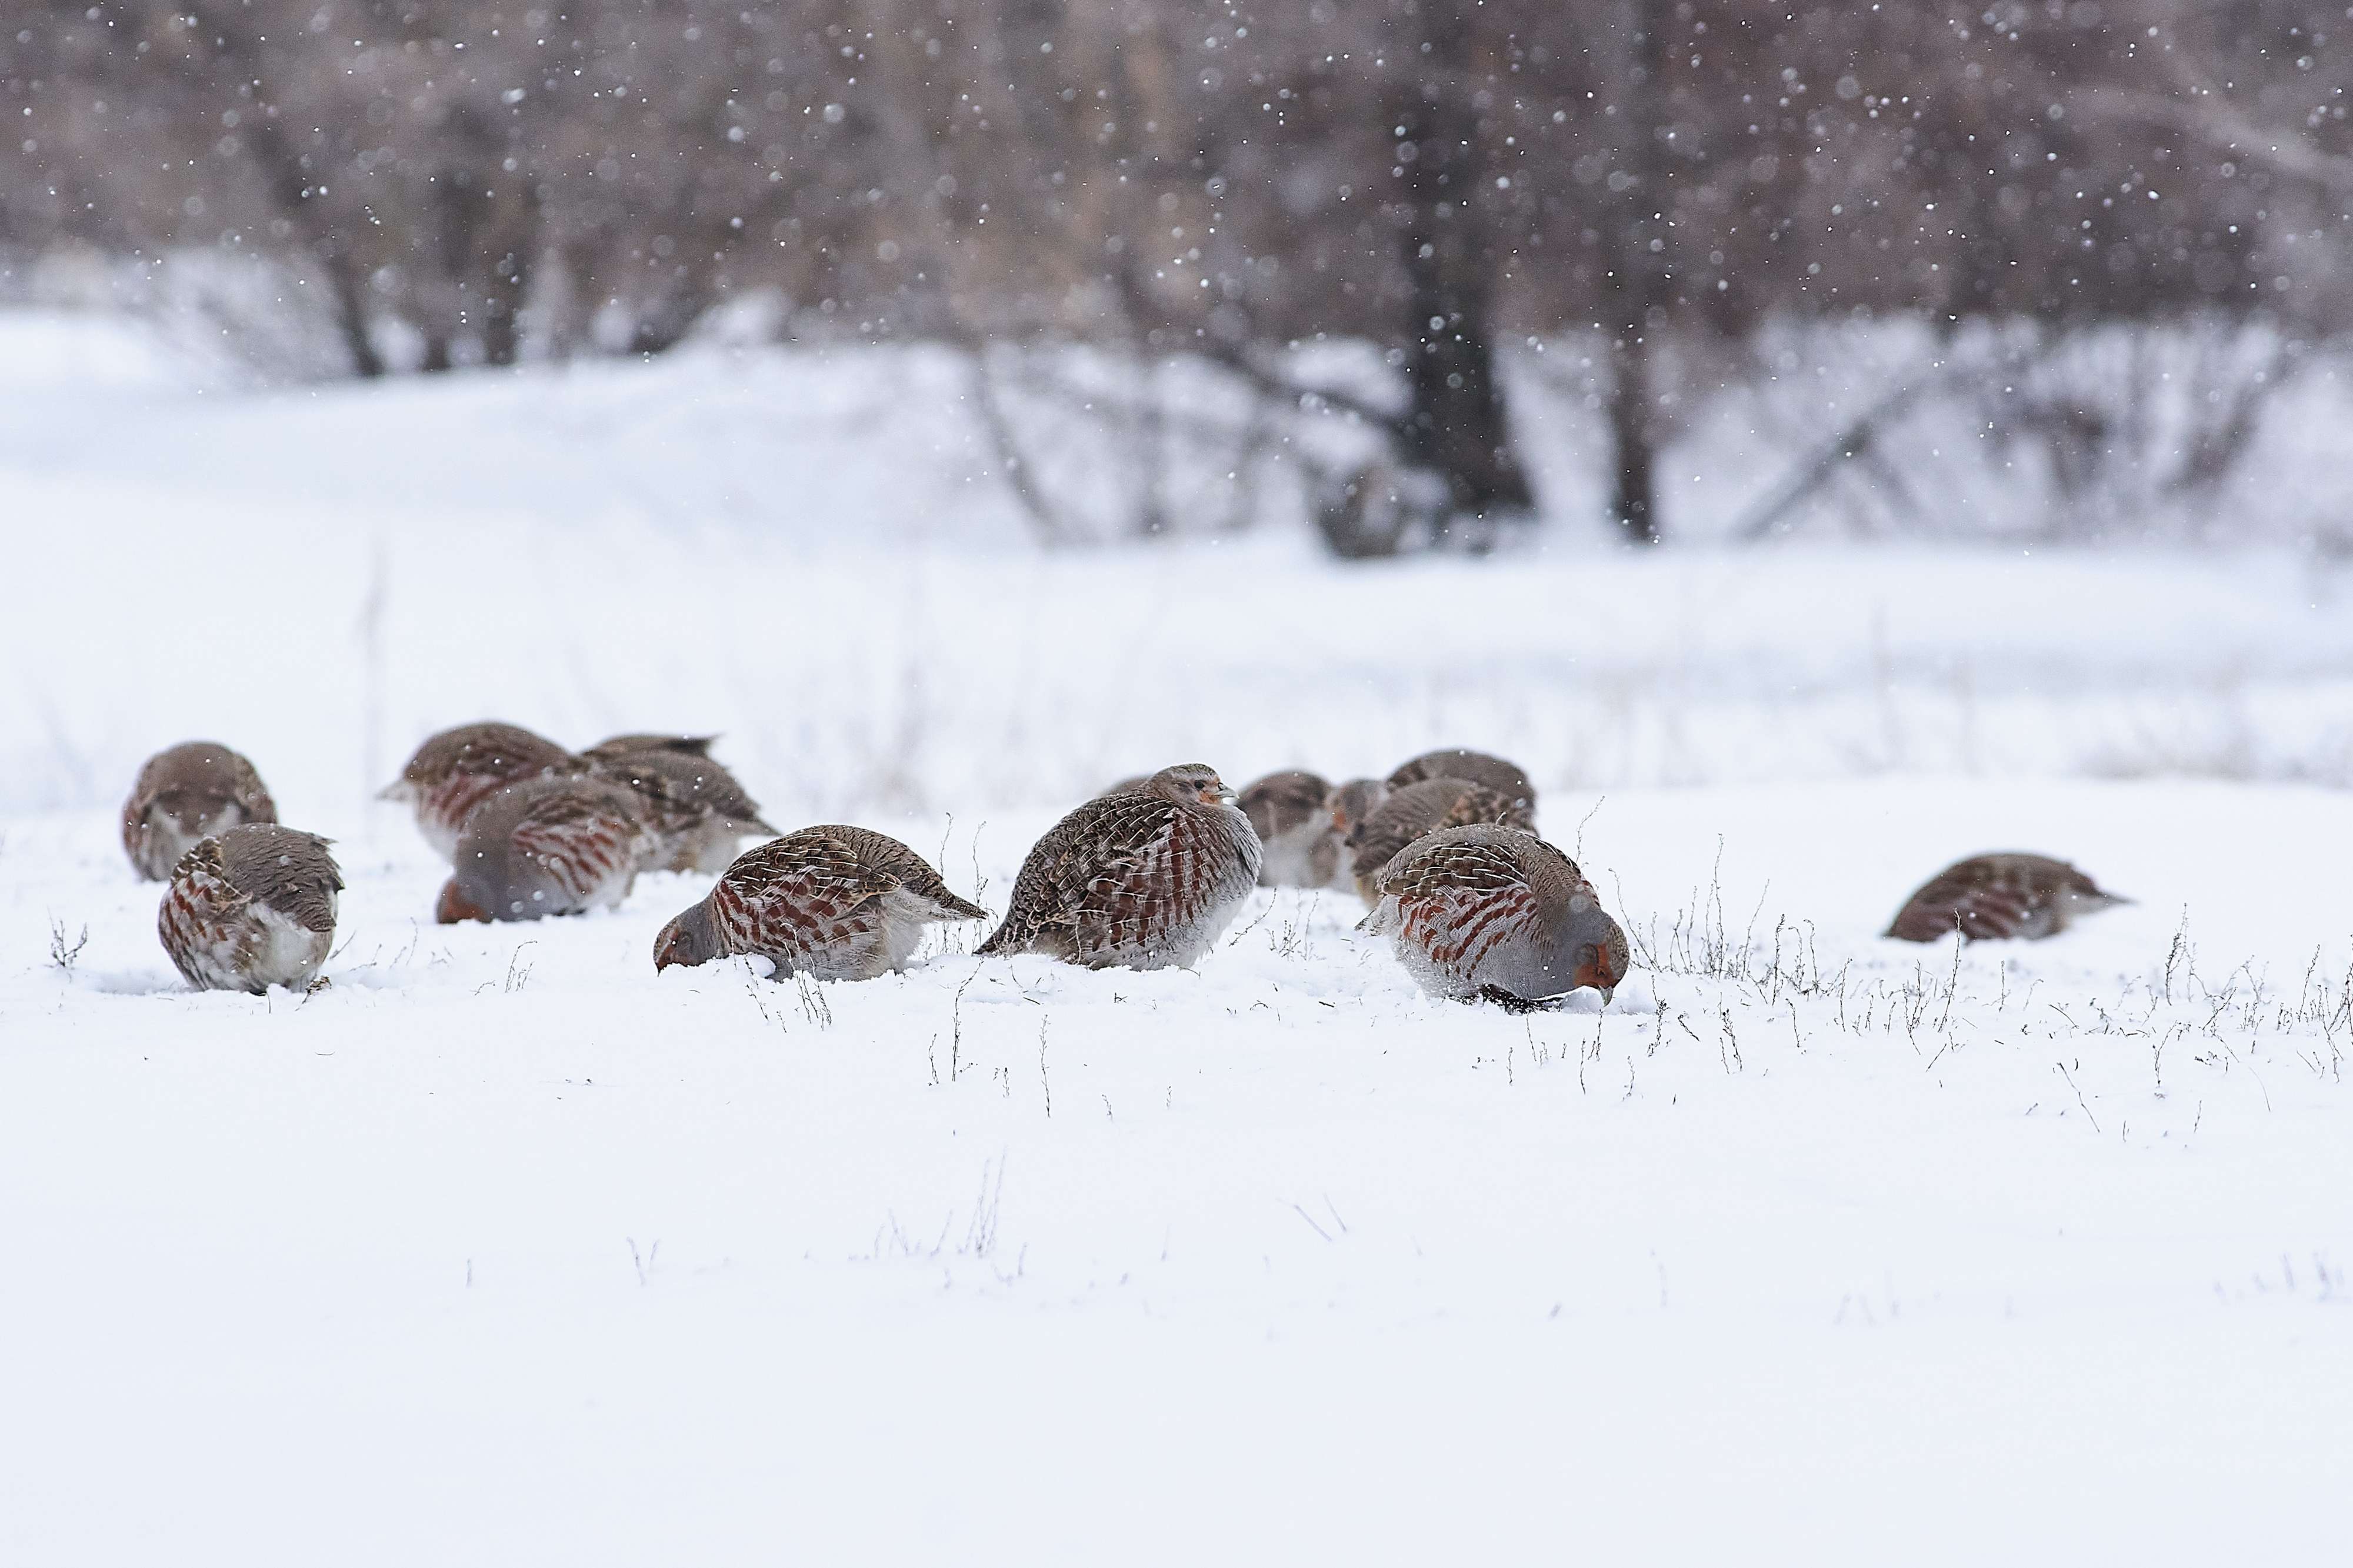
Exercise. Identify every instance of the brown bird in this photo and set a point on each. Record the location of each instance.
(1506, 779)
(550, 845)
(1414, 809)
(195, 789)
(698, 813)
(1496, 913)
(833, 903)
(454, 771)
(1998, 896)
(1291, 813)
(1146, 879)
(250, 908)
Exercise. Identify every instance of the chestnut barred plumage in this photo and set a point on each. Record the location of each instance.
(549, 846)
(1143, 879)
(249, 908)
(1494, 912)
(2000, 897)
(832, 902)
(1405, 814)
(456, 770)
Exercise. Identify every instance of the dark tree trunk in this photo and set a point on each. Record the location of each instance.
(1638, 276)
(1633, 500)
(1456, 426)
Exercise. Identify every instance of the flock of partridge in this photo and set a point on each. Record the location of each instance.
(1148, 874)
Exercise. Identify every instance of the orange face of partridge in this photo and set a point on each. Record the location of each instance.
(454, 906)
(1602, 964)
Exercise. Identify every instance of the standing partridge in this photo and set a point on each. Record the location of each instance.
(2000, 897)
(1496, 913)
(195, 789)
(833, 903)
(1146, 879)
(1291, 813)
(1506, 779)
(455, 770)
(699, 813)
(1406, 813)
(550, 845)
(250, 908)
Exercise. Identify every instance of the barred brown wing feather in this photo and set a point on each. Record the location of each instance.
(1095, 843)
(580, 845)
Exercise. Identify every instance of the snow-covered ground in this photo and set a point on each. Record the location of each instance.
(503, 1249)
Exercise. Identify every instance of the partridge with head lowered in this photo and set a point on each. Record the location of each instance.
(1496, 913)
(1145, 878)
(1291, 813)
(1998, 896)
(833, 903)
(551, 846)
(250, 908)
(1506, 779)
(455, 771)
(699, 813)
(1408, 813)
(192, 790)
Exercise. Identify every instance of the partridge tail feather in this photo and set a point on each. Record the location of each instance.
(1510, 1003)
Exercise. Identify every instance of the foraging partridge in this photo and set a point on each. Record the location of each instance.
(250, 908)
(1291, 813)
(1506, 779)
(195, 789)
(833, 903)
(551, 846)
(1496, 913)
(1406, 813)
(698, 813)
(1146, 878)
(1998, 896)
(453, 771)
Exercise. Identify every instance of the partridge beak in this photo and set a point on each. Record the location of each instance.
(1219, 797)
(397, 790)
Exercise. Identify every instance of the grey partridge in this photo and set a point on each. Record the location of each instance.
(555, 845)
(1998, 896)
(1291, 813)
(698, 813)
(1506, 779)
(1406, 813)
(251, 907)
(454, 771)
(1496, 913)
(195, 789)
(833, 903)
(1146, 879)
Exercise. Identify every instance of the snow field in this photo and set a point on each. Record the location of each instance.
(502, 1249)
(580, 1261)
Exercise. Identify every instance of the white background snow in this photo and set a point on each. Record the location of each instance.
(503, 1249)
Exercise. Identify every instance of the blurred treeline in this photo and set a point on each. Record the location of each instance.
(452, 182)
